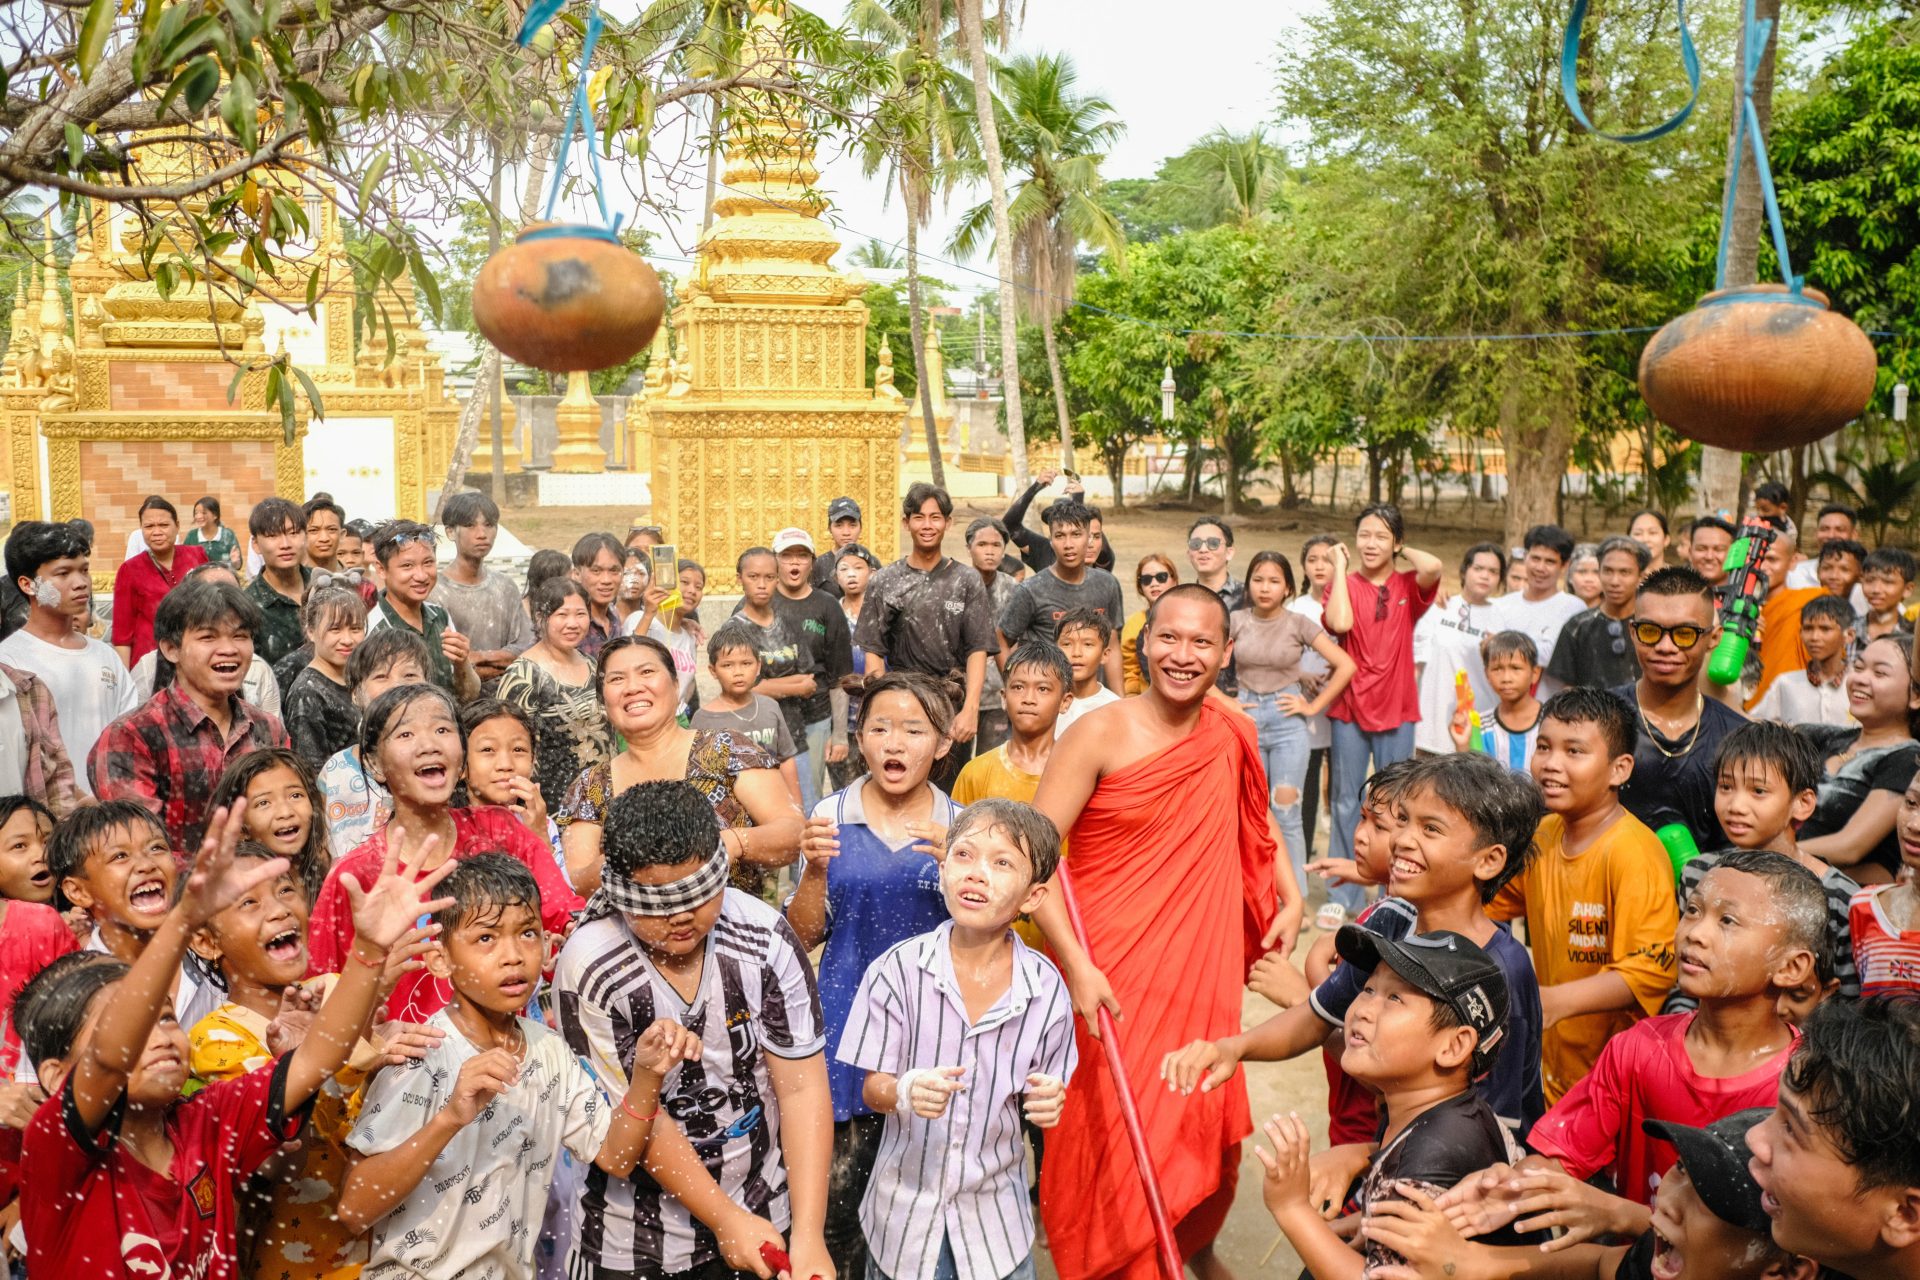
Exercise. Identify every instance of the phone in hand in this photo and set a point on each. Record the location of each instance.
(665, 563)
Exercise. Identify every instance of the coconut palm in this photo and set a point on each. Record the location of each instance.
(1055, 140)
(1241, 172)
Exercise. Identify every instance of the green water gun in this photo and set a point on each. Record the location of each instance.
(1747, 590)
(1681, 848)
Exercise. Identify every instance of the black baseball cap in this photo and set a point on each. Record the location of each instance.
(842, 509)
(1446, 966)
(1716, 1160)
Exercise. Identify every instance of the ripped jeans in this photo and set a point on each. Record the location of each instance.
(1283, 750)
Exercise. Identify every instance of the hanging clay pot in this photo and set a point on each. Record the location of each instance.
(1758, 368)
(566, 298)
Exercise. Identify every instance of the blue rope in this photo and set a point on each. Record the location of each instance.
(1570, 77)
(579, 113)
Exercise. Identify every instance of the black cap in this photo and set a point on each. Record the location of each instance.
(1716, 1160)
(842, 509)
(1449, 967)
(859, 552)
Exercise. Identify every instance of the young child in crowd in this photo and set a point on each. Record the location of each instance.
(322, 717)
(1885, 579)
(1599, 914)
(356, 805)
(500, 765)
(1084, 637)
(733, 655)
(1885, 918)
(1039, 686)
(274, 790)
(128, 1180)
(32, 934)
(963, 1068)
(867, 884)
(1841, 564)
(1749, 932)
(1429, 1020)
(447, 1120)
(1512, 662)
(665, 932)
(1468, 831)
(1816, 694)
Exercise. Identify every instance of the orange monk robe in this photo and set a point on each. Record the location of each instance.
(1172, 863)
(1780, 648)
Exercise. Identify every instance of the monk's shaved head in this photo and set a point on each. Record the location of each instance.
(1190, 591)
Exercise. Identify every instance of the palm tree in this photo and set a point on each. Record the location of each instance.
(877, 254)
(1242, 171)
(1055, 139)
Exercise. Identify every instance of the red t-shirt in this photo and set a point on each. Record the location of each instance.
(1644, 1073)
(1383, 694)
(137, 588)
(32, 936)
(93, 1212)
(486, 828)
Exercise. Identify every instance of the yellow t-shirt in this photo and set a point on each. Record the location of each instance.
(1132, 680)
(1608, 909)
(992, 775)
(299, 1237)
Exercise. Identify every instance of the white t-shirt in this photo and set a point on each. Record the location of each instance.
(1807, 574)
(1319, 733)
(1080, 706)
(91, 689)
(477, 1211)
(1539, 619)
(1447, 641)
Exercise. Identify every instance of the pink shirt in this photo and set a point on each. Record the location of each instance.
(1384, 694)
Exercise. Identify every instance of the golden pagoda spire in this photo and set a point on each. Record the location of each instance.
(18, 343)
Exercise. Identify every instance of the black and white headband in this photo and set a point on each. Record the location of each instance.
(629, 897)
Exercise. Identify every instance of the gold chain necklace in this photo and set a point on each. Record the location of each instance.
(1699, 708)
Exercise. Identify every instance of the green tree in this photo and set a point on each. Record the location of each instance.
(1223, 177)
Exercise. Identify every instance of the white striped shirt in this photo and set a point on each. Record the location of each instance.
(959, 1179)
(756, 997)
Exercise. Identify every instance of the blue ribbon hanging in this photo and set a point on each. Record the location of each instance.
(1570, 77)
(580, 114)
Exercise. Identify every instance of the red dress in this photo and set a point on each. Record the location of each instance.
(1171, 855)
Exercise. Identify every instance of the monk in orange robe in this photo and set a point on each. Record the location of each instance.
(1181, 885)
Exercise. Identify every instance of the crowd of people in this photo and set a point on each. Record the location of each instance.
(367, 911)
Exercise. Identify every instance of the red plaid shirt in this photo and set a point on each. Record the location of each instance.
(167, 755)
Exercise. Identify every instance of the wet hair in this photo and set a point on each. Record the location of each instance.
(932, 698)
(1713, 522)
(1889, 560)
(984, 523)
(332, 606)
(52, 1008)
(1045, 656)
(1188, 591)
(729, 638)
(361, 529)
(34, 544)
(1388, 514)
(484, 886)
(1659, 518)
(1029, 829)
(1068, 513)
(620, 644)
(1552, 537)
(1600, 708)
(1278, 561)
(275, 515)
(154, 502)
(1620, 542)
(590, 545)
(740, 565)
(394, 534)
(1474, 552)
(1844, 547)
(1084, 619)
(1832, 608)
(1794, 892)
(1857, 1072)
(209, 504)
(75, 837)
(1502, 807)
(917, 495)
(480, 710)
(84, 527)
(310, 866)
(469, 507)
(1507, 644)
(1782, 748)
(550, 598)
(388, 708)
(197, 603)
(380, 650)
(657, 824)
(1584, 552)
(323, 501)
(545, 566)
(10, 805)
(1772, 491)
(1226, 530)
(1386, 784)
(1675, 580)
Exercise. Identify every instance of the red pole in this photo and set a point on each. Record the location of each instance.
(1170, 1263)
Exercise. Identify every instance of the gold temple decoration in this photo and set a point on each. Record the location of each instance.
(577, 421)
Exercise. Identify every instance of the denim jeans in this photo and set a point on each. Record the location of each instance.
(812, 764)
(1354, 750)
(1284, 751)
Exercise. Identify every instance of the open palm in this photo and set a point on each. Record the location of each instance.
(398, 898)
(219, 878)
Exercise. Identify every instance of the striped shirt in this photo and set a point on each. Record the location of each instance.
(1889, 959)
(959, 1179)
(756, 997)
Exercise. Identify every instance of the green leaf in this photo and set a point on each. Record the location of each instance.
(76, 146)
(241, 112)
(370, 179)
(93, 34)
(319, 410)
(423, 277)
(244, 20)
(233, 388)
(187, 40)
(196, 85)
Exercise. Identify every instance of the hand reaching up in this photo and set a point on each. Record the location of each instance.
(384, 912)
(217, 878)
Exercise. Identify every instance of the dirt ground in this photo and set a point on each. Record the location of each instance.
(1250, 1244)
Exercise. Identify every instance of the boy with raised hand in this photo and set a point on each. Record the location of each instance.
(127, 1179)
(449, 1119)
(1430, 1019)
(752, 1133)
(963, 1032)
(1594, 895)
(1469, 831)
(1838, 1161)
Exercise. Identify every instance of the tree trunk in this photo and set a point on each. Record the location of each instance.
(1538, 433)
(715, 157)
(1797, 484)
(1059, 394)
(1289, 496)
(916, 326)
(1117, 476)
(1720, 472)
(971, 31)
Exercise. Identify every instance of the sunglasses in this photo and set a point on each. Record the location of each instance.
(1153, 579)
(345, 578)
(1205, 544)
(1684, 636)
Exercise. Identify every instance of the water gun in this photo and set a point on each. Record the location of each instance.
(1746, 591)
(1678, 839)
(1476, 736)
(777, 1260)
(1463, 694)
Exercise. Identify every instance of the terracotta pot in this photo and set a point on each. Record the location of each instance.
(566, 299)
(1758, 369)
